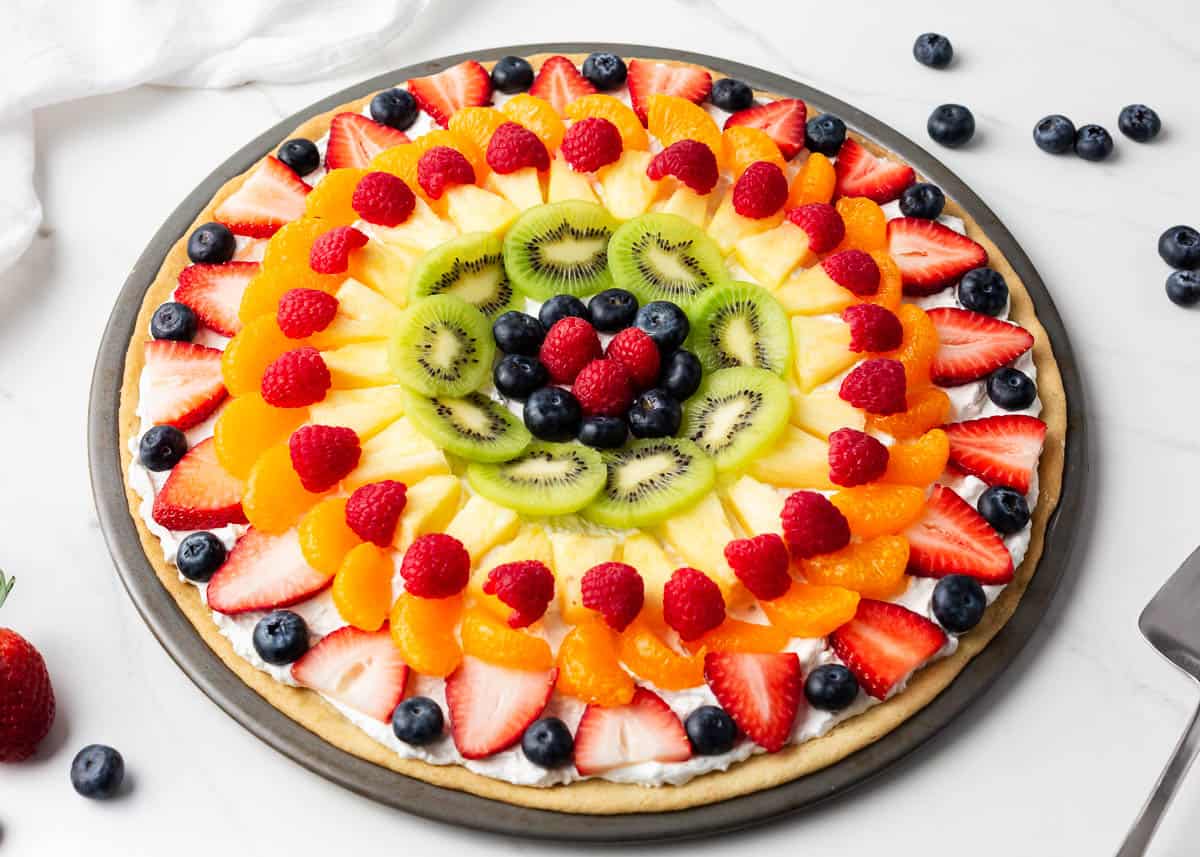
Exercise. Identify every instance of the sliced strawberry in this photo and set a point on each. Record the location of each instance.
(271, 196)
(360, 669)
(645, 730)
(199, 494)
(973, 345)
(560, 83)
(760, 692)
(860, 173)
(441, 95)
(648, 77)
(950, 537)
(181, 383)
(931, 256)
(354, 140)
(491, 706)
(1000, 450)
(883, 643)
(264, 572)
(214, 292)
(783, 120)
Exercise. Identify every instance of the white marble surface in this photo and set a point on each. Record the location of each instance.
(1054, 760)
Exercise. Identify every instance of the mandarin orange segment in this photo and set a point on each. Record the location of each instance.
(539, 116)
(330, 199)
(873, 569)
(879, 510)
(477, 124)
(671, 119)
(286, 266)
(734, 635)
(918, 462)
(814, 182)
(423, 631)
(588, 667)
(247, 426)
(633, 135)
(743, 145)
(248, 354)
(400, 161)
(891, 284)
(811, 610)
(492, 640)
(275, 499)
(918, 347)
(325, 538)
(927, 408)
(866, 224)
(362, 587)
(651, 659)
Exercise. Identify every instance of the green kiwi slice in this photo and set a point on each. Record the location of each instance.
(470, 267)
(560, 248)
(740, 324)
(736, 414)
(442, 346)
(472, 426)
(546, 479)
(649, 481)
(664, 257)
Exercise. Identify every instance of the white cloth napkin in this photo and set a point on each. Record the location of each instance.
(58, 50)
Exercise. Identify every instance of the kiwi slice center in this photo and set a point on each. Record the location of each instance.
(469, 417)
(639, 476)
(722, 419)
(569, 252)
(669, 265)
(446, 349)
(476, 281)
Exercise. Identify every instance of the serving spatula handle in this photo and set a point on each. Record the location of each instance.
(1143, 829)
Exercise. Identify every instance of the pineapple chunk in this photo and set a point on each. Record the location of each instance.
(756, 506)
(728, 227)
(565, 183)
(688, 204)
(360, 364)
(798, 460)
(699, 535)
(423, 230)
(813, 292)
(481, 524)
(398, 452)
(823, 412)
(626, 188)
(429, 506)
(770, 256)
(821, 348)
(385, 268)
(474, 209)
(366, 411)
(574, 554)
(523, 187)
(643, 552)
(362, 314)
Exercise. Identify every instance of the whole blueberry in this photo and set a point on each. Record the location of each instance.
(1093, 143)
(418, 721)
(830, 687)
(922, 200)
(666, 323)
(518, 333)
(605, 71)
(518, 375)
(97, 771)
(958, 603)
(983, 290)
(560, 307)
(731, 95)
(281, 637)
(548, 743)
(301, 155)
(1179, 247)
(1183, 287)
(612, 310)
(681, 374)
(824, 134)
(199, 556)
(951, 125)
(710, 730)
(1139, 123)
(161, 448)
(396, 108)
(174, 320)
(1011, 389)
(1054, 134)
(512, 74)
(933, 50)
(603, 432)
(655, 413)
(1004, 508)
(552, 413)
(211, 244)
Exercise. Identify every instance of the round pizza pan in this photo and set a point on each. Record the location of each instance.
(186, 647)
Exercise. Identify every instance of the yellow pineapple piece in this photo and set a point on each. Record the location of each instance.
(366, 410)
(797, 460)
(523, 187)
(399, 452)
(643, 552)
(813, 292)
(363, 314)
(565, 183)
(429, 506)
(360, 364)
(770, 256)
(625, 187)
(699, 535)
(821, 348)
(385, 268)
(574, 554)
(686, 203)
(423, 230)
(756, 505)
(728, 227)
(481, 525)
(474, 209)
(823, 412)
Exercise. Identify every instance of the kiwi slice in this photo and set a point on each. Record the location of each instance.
(470, 267)
(736, 414)
(442, 346)
(558, 249)
(472, 426)
(546, 479)
(663, 257)
(740, 324)
(649, 481)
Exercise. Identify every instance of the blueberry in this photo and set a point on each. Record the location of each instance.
(1093, 143)
(1139, 123)
(983, 290)
(161, 448)
(199, 556)
(922, 200)
(396, 108)
(1011, 389)
(97, 771)
(605, 71)
(824, 134)
(666, 323)
(830, 687)
(1004, 508)
(512, 74)
(1183, 287)
(603, 432)
(560, 307)
(681, 374)
(958, 603)
(211, 244)
(518, 375)
(951, 125)
(418, 720)
(301, 155)
(518, 333)
(710, 730)
(612, 310)
(175, 321)
(1179, 247)
(281, 637)
(655, 413)
(1054, 134)
(548, 743)
(933, 50)
(552, 413)
(731, 95)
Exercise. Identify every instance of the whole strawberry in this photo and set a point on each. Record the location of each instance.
(26, 697)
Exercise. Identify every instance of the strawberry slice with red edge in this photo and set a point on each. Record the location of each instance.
(441, 95)
(931, 256)
(972, 345)
(354, 140)
(860, 173)
(649, 77)
(950, 537)
(263, 572)
(273, 195)
(783, 120)
(761, 692)
(181, 383)
(884, 643)
(199, 494)
(644, 730)
(1000, 450)
(491, 706)
(560, 83)
(214, 293)
(360, 669)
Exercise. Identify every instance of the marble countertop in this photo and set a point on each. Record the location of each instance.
(1054, 760)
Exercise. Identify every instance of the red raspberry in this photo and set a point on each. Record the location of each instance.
(877, 386)
(762, 564)
(603, 389)
(692, 603)
(853, 270)
(760, 191)
(297, 378)
(590, 144)
(527, 587)
(813, 525)
(821, 222)
(569, 345)
(373, 511)
(690, 161)
(323, 455)
(435, 566)
(615, 591)
(635, 350)
(855, 458)
(873, 327)
(302, 312)
(442, 167)
(27, 703)
(330, 253)
(514, 147)
(383, 199)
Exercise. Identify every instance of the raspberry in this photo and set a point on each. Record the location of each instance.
(591, 144)
(603, 388)
(435, 566)
(440, 168)
(514, 147)
(383, 199)
(855, 458)
(322, 455)
(877, 386)
(853, 270)
(812, 525)
(615, 591)
(635, 350)
(822, 223)
(297, 378)
(690, 161)
(569, 345)
(873, 327)
(762, 564)
(330, 253)
(302, 312)
(373, 511)
(760, 191)
(526, 587)
(692, 603)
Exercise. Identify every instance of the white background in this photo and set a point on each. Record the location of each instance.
(1055, 760)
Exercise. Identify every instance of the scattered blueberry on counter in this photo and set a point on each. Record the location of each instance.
(1183, 288)
(958, 603)
(983, 290)
(731, 95)
(604, 71)
(199, 556)
(655, 413)
(1179, 247)
(418, 721)
(951, 125)
(830, 687)
(560, 307)
(612, 310)
(681, 374)
(1011, 389)
(933, 50)
(518, 375)
(1139, 123)
(824, 134)
(281, 637)
(548, 743)
(512, 74)
(161, 447)
(211, 244)
(301, 155)
(1093, 143)
(666, 324)
(710, 730)
(553, 414)
(1054, 134)
(922, 200)
(1006, 509)
(603, 432)
(174, 321)
(518, 333)
(97, 771)
(396, 108)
